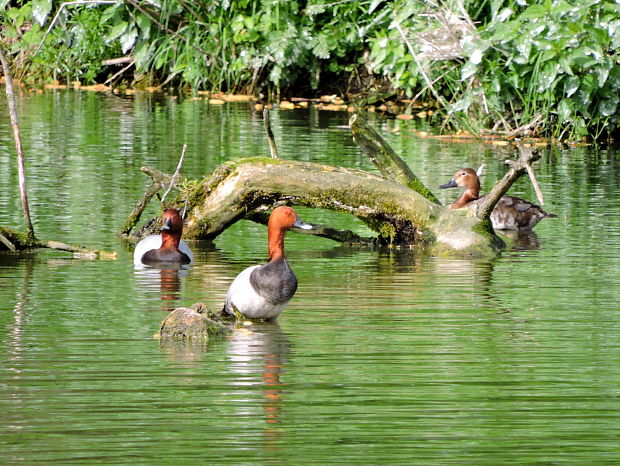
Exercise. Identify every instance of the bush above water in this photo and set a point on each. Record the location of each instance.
(547, 68)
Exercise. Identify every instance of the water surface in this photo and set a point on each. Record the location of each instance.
(382, 357)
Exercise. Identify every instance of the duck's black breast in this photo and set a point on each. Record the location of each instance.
(274, 281)
(166, 255)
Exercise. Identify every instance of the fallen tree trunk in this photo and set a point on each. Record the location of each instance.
(397, 214)
(397, 206)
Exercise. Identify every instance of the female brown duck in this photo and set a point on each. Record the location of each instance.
(510, 213)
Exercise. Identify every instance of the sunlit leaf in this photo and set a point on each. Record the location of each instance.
(40, 10)
(128, 40)
(534, 12)
(468, 70)
(117, 31)
(608, 107)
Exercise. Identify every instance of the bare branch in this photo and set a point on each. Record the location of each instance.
(517, 169)
(4, 240)
(21, 170)
(272, 142)
(176, 173)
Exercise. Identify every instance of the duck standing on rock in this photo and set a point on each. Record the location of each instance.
(167, 247)
(263, 291)
(510, 213)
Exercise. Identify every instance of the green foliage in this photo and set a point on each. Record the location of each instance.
(73, 51)
(546, 66)
(553, 59)
(549, 67)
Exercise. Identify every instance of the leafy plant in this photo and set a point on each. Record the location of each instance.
(546, 67)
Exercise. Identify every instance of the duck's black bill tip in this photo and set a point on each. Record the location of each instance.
(450, 184)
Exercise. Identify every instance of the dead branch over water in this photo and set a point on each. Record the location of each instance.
(21, 170)
(15, 241)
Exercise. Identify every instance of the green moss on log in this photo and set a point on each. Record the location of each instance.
(485, 229)
(20, 240)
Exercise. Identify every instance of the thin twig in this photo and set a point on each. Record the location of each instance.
(176, 173)
(115, 75)
(134, 217)
(530, 171)
(21, 170)
(273, 149)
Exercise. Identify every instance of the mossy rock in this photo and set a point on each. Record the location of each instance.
(197, 322)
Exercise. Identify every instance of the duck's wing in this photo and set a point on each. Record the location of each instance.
(274, 281)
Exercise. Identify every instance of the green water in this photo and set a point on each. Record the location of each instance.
(382, 356)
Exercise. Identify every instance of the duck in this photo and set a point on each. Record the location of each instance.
(167, 247)
(510, 213)
(263, 291)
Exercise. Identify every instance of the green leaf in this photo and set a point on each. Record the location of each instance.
(40, 10)
(117, 31)
(534, 12)
(110, 13)
(468, 70)
(565, 110)
(128, 40)
(582, 59)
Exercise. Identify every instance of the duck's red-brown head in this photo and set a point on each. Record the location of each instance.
(171, 228)
(464, 178)
(281, 219)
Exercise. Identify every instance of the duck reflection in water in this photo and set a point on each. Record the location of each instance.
(257, 355)
(164, 279)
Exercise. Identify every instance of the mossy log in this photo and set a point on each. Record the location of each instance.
(384, 157)
(399, 215)
(397, 206)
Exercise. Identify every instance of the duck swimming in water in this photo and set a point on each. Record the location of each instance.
(167, 247)
(510, 213)
(263, 291)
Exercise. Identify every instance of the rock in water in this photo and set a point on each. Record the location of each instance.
(196, 322)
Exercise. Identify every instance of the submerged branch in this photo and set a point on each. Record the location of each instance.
(341, 236)
(22, 242)
(82, 251)
(4, 240)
